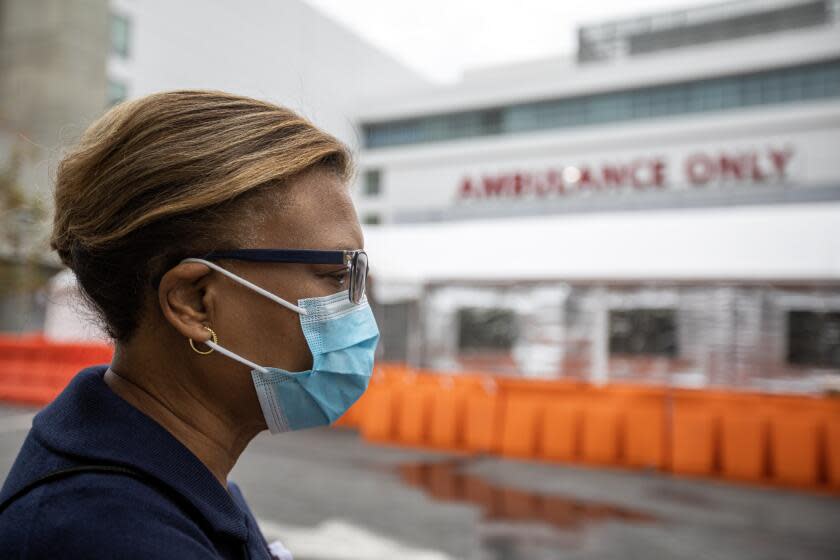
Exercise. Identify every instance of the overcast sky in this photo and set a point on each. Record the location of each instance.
(439, 38)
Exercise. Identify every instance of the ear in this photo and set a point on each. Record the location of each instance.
(182, 300)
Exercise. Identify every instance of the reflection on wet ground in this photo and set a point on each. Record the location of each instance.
(446, 481)
(692, 497)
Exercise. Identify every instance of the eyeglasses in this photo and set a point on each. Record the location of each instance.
(355, 261)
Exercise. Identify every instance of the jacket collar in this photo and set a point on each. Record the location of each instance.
(91, 422)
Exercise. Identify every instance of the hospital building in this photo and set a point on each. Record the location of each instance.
(662, 206)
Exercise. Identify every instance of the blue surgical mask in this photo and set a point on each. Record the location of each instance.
(342, 337)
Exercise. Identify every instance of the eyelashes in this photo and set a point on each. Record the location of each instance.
(340, 277)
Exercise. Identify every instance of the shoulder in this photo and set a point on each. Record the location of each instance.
(101, 515)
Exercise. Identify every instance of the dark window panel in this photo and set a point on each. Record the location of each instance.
(785, 85)
(645, 332)
(814, 339)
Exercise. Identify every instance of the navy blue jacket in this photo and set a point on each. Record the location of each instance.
(185, 513)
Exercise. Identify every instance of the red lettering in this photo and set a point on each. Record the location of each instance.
(654, 176)
(781, 160)
(466, 190)
(732, 168)
(757, 174)
(544, 185)
(615, 176)
(587, 181)
(495, 186)
(521, 182)
(555, 178)
(658, 173)
(699, 169)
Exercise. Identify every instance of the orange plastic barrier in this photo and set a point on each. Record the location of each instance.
(414, 413)
(645, 434)
(34, 370)
(378, 413)
(483, 421)
(384, 375)
(744, 440)
(602, 431)
(520, 427)
(560, 432)
(447, 417)
(832, 439)
(795, 446)
(28, 395)
(789, 440)
(16, 360)
(694, 439)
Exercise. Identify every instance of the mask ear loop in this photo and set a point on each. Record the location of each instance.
(261, 291)
(247, 284)
(236, 357)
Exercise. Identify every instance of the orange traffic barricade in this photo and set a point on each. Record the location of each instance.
(832, 440)
(560, 434)
(602, 431)
(521, 425)
(446, 426)
(413, 414)
(645, 436)
(482, 422)
(744, 442)
(694, 437)
(378, 418)
(795, 444)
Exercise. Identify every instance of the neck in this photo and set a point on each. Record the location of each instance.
(216, 441)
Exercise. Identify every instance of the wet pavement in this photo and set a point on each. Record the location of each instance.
(328, 495)
(445, 481)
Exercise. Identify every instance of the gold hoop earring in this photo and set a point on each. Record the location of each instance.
(212, 335)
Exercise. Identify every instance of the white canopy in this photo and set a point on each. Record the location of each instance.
(780, 242)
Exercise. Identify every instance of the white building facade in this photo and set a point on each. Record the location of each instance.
(737, 120)
(286, 52)
(722, 119)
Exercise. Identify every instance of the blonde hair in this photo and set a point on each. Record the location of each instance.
(165, 176)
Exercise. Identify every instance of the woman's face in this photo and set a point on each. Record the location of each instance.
(314, 211)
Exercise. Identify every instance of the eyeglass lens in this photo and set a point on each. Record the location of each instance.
(358, 277)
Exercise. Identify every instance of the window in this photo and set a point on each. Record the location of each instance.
(120, 35)
(372, 184)
(783, 85)
(694, 26)
(482, 329)
(732, 27)
(372, 219)
(394, 320)
(643, 332)
(813, 338)
(117, 91)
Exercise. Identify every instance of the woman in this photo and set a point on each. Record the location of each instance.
(216, 239)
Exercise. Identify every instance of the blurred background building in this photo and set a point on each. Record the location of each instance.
(663, 206)
(64, 62)
(52, 84)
